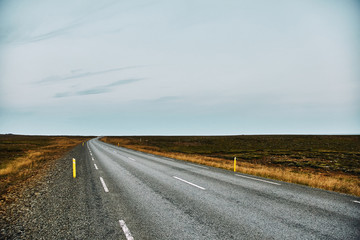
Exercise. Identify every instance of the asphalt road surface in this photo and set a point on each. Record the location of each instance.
(123, 194)
(159, 198)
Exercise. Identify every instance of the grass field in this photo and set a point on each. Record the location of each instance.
(327, 162)
(24, 158)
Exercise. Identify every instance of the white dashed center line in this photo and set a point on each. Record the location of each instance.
(96, 167)
(356, 201)
(192, 184)
(131, 159)
(126, 230)
(257, 179)
(104, 185)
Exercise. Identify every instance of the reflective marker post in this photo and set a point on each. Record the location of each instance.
(74, 168)
(234, 164)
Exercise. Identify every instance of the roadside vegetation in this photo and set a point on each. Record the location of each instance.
(326, 162)
(25, 158)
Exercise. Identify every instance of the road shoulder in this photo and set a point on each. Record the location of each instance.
(59, 206)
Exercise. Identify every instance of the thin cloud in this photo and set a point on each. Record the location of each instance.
(99, 89)
(92, 91)
(18, 36)
(53, 33)
(63, 94)
(74, 75)
(122, 82)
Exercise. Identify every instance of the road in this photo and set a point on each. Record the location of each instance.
(123, 194)
(160, 198)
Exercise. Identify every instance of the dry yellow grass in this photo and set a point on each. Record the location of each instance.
(32, 162)
(22, 162)
(339, 182)
(32, 158)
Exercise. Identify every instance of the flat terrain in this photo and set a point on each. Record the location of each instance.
(26, 158)
(25, 162)
(303, 159)
(163, 198)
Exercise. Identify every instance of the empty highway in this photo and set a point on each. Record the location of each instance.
(152, 197)
(123, 194)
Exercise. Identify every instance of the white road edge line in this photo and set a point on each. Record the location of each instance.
(96, 167)
(197, 166)
(189, 183)
(356, 201)
(126, 230)
(104, 185)
(257, 179)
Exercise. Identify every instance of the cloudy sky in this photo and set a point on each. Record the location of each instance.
(179, 67)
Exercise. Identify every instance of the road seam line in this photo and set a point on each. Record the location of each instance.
(96, 167)
(171, 160)
(126, 230)
(188, 182)
(197, 166)
(104, 185)
(258, 179)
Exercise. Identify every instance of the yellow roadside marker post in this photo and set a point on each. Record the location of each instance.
(234, 164)
(74, 168)
(83, 143)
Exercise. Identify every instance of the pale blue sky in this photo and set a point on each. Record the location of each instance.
(177, 67)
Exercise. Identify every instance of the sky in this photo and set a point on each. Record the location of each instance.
(179, 67)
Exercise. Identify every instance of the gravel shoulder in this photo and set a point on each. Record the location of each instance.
(59, 206)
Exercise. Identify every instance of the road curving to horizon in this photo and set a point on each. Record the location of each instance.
(125, 194)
